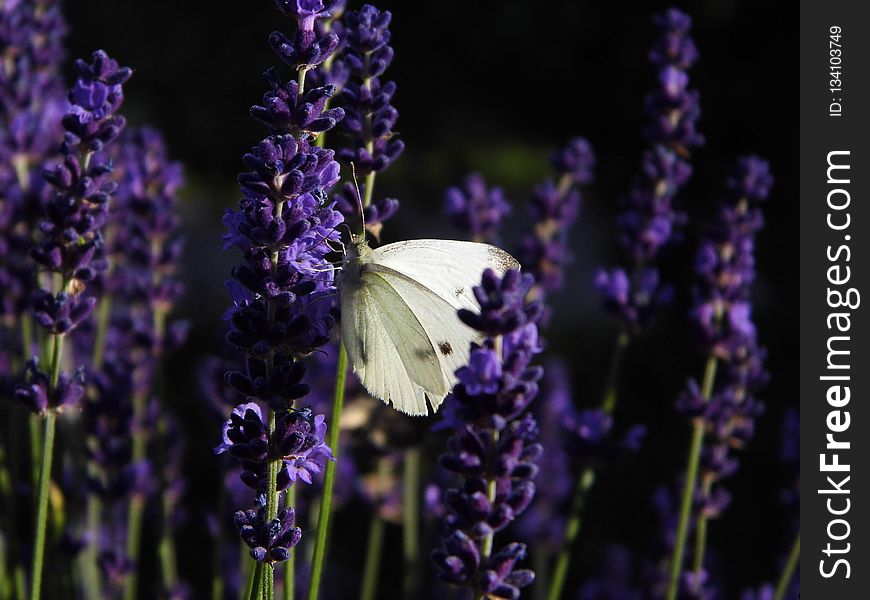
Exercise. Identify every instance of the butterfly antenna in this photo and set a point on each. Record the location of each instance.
(359, 202)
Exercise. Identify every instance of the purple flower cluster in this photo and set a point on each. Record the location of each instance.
(72, 245)
(370, 116)
(32, 102)
(648, 219)
(722, 315)
(333, 71)
(554, 207)
(307, 49)
(476, 209)
(282, 307)
(493, 448)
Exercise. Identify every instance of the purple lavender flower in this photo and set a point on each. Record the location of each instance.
(284, 112)
(476, 209)
(40, 396)
(72, 243)
(306, 49)
(32, 102)
(370, 117)
(270, 541)
(648, 220)
(554, 207)
(283, 292)
(333, 71)
(727, 406)
(493, 445)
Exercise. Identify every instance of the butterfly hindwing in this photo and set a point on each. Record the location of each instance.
(450, 337)
(389, 348)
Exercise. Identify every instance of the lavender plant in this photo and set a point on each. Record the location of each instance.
(723, 407)
(649, 219)
(282, 310)
(71, 253)
(32, 101)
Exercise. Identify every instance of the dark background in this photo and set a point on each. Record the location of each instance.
(493, 87)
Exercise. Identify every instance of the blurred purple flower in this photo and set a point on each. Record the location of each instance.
(476, 209)
(649, 220)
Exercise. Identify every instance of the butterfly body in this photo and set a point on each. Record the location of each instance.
(399, 318)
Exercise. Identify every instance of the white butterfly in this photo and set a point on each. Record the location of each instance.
(398, 315)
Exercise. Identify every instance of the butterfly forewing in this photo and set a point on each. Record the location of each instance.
(449, 268)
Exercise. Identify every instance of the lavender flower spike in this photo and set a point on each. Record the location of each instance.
(32, 102)
(282, 291)
(724, 406)
(649, 219)
(493, 446)
(72, 243)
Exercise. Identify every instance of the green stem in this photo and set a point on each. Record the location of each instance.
(572, 530)
(44, 480)
(790, 567)
(35, 438)
(329, 477)
(268, 570)
(541, 566)
(290, 565)
(694, 460)
(136, 509)
(411, 520)
(701, 535)
(20, 582)
(104, 310)
(166, 552)
(374, 551)
(370, 184)
(254, 581)
(90, 567)
(246, 568)
(491, 490)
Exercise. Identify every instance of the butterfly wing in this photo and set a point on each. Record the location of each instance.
(416, 288)
(449, 268)
(389, 348)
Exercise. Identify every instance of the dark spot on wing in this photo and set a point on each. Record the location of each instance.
(459, 292)
(362, 351)
(445, 348)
